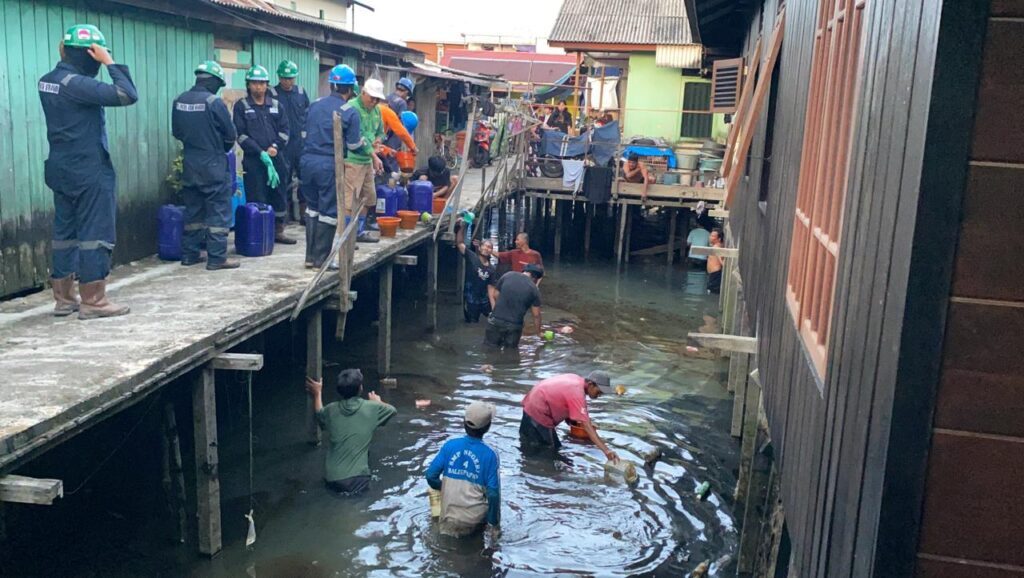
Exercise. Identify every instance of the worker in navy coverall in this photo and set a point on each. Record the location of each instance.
(201, 121)
(79, 170)
(263, 135)
(296, 106)
(317, 161)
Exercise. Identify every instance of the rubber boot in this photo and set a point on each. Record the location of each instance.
(371, 222)
(364, 235)
(323, 241)
(95, 304)
(65, 299)
(279, 236)
(225, 264)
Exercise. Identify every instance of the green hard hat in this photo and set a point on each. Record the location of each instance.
(287, 69)
(212, 68)
(258, 74)
(84, 36)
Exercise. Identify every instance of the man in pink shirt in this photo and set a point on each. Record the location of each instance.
(562, 398)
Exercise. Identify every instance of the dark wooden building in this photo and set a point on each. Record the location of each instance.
(877, 202)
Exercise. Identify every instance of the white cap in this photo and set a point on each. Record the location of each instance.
(374, 88)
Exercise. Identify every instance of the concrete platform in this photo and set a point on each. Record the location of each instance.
(61, 375)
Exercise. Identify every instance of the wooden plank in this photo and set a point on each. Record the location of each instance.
(204, 425)
(314, 368)
(740, 388)
(671, 244)
(238, 361)
(734, 343)
(559, 206)
(753, 63)
(25, 490)
(406, 260)
(723, 252)
(431, 286)
(385, 281)
(659, 249)
(656, 192)
(588, 229)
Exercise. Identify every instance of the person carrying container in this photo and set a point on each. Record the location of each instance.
(398, 126)
(201, 121)
(317, 161)
(396, 101)
(479, 294)
(466, 472)
(263, 135)
(79, 171)
(514, 295)
(296, 105)
(558, 399)
(349, 424)
(361, 167)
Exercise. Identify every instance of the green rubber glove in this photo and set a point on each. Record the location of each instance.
(272, 177)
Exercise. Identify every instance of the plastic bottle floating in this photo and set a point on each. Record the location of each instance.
(624, 469)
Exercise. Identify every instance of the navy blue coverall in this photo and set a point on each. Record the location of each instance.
(79, 170)
(201, 121)
(392, 140)
(296, 107)
(259, 127)
(317, 162)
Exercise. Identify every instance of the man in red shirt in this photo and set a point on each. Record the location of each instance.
(562, 398)
(521, 256)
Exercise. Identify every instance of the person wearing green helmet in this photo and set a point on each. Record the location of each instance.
(263, 134)
(79, 171)
(296, 107)
(201, 121)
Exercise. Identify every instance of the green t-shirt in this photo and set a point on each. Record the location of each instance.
(350, 424)
(372, 126)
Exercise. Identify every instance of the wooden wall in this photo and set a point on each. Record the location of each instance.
(851, 445)
(973, 523)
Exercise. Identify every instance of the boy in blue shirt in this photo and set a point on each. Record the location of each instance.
(470, 488)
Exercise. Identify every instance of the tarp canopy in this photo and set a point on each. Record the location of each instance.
(600, 142)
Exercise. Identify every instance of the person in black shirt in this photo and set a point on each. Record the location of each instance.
(561, 119)
(516, 293)
(438, 174)
(479, 293)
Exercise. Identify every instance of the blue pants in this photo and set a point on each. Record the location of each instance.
(207, 219)
(84, 221)
(318, 188)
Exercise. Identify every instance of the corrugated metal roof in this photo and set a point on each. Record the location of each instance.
(685, 56)
(621, 22)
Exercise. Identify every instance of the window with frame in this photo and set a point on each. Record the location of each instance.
(824, 172)
(696, 99)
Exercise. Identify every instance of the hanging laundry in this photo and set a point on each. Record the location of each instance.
(572, 174)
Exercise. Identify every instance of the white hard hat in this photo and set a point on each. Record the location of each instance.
(374, 88)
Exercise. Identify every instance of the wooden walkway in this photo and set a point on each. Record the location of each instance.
(60, 376)
(629, 193)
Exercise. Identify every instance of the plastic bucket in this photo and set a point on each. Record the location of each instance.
(578, 432)
(408, 219)
(388, 226)
(439, 203)
(406, 161)
(435, 502)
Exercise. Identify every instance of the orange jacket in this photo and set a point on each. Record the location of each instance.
(394, 124)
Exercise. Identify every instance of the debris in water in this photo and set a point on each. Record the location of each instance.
(702, 490)
(720, 564)
(623, 468)
(487, 368)
(422, 403)
(620, 389)
(250, 538)
(549, 335)
(617, 535)
(652, 457)
(692, 349)
(701, 570)
(566, 330)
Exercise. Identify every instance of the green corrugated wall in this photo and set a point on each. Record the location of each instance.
(270, 51)
(161, 54)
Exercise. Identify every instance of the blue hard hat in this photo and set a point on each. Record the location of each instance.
(342, 74)
(406, 83)
(409, 120)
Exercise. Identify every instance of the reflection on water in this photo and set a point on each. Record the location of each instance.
(558, 515)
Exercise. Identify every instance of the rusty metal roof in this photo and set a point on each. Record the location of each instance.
(618, 22)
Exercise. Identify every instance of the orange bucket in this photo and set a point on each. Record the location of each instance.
(406, 161)
(408, 219)
(577, 431)
(439, 203)
(388, 226)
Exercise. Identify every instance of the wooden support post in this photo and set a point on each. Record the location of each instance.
(776, 524)
(620, 240)
(431, 286)
(522, 213)
(751, 407)
(739, 369)
(204, 424)
(502, 219)
(558, 228)
(314, 368)
(384, 320)
(173, 474)
(24, 490)
(588, 228)
(629, 233)
(755, 513)
(460, 279)
(673, 215)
